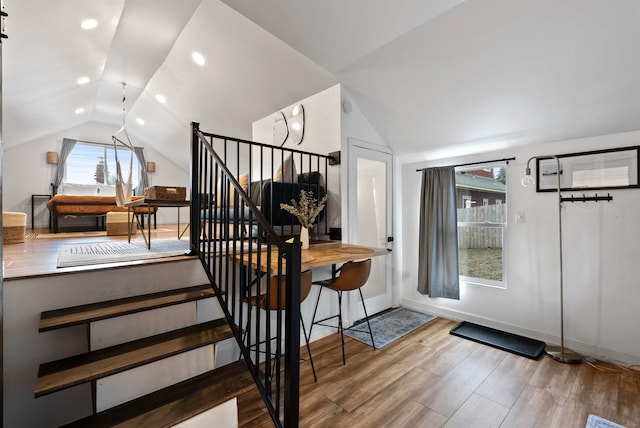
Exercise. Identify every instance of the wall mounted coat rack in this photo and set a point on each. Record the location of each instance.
(584, 198)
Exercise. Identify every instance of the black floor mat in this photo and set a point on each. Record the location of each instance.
(519, 345)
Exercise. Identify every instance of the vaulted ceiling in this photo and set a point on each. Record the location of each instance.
(428, 75)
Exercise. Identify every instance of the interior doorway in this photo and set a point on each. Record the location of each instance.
(370, 184)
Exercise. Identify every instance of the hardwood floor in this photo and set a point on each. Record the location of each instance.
(427, 379)
(38, 255)
(433, 379)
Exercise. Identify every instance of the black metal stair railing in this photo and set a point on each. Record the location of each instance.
(241, 252)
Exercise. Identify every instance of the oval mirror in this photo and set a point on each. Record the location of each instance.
(280, 129)
(296, 123)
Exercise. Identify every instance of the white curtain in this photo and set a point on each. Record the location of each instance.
(143, 180)
(67, 146)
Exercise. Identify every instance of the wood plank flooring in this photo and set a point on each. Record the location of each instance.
(427, 379)
(38, 256)
(433, 379)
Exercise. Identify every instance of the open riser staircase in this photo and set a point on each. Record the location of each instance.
(159, 349)
(156, 355)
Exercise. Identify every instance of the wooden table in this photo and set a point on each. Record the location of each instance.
(153, 203)
(319, 254)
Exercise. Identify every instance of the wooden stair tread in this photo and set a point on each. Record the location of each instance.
(66, 317)
(176, 403)
(57, 375)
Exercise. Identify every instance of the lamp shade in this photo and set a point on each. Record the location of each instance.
(52, 157)
(151, 167)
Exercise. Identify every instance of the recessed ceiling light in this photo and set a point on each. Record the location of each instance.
(79, 110)
(161, 99)
(83, 80)
(198, 58)
(89, 24)
(140, 121)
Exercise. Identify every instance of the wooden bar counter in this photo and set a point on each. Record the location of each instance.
(319, 254)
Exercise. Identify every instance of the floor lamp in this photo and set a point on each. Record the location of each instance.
(559, 353)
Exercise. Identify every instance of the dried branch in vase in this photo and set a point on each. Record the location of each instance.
(307, 209)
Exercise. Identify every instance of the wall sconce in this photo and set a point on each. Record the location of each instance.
(334, 158)
(52, 157)
(151, 167)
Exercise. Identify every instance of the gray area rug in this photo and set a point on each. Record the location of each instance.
(594, 421)
(90, 253)
(388, 326)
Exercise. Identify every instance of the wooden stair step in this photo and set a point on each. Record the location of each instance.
(176, 403)
(57, 375)
(66, 317)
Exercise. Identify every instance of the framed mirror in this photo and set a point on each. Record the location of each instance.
(601, 169)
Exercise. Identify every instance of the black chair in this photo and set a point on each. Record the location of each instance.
(353, 275)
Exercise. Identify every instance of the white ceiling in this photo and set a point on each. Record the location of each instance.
(474, 74)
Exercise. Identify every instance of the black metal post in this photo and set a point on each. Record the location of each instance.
(195, 192)
(292, 336)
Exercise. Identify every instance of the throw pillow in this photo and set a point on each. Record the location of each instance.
(243, 180)
(310, 178)
(286, 173)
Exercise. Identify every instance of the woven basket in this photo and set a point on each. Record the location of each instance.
(13, 227)
(164, 193)
(117, 224)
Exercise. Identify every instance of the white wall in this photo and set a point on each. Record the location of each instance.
(601, 253)
(25, 171)
(321, 136)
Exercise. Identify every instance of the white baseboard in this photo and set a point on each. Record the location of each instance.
(585, 349)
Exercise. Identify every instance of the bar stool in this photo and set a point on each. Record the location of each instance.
(262, 302)
(353, 275)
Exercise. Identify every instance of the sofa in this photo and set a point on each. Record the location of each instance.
(266, 195)
(87, 200)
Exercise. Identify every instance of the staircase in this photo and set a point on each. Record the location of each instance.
(161, 378)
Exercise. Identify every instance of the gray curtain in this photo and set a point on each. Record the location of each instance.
(438, 238)
(143, 180)
(67, 145)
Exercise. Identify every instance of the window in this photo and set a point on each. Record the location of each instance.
(90, 163)
(482, 229)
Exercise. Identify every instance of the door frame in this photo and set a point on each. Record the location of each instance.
(355, 149)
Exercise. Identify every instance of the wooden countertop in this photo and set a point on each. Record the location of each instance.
(319, 254)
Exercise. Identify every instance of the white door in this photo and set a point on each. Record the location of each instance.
(371, 222)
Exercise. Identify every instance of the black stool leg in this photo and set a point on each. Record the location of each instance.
(304, 330)
(313, 320)
(367, 318)
(344, 360)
